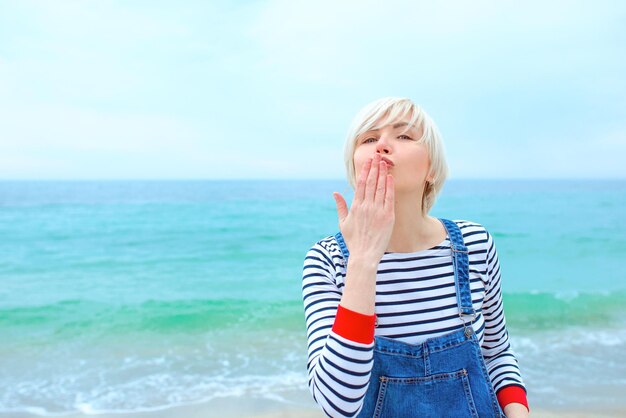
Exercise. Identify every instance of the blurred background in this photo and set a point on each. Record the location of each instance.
(166, 166)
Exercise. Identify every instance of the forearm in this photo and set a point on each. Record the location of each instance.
(340, 347)
(349, 347)
(339, 375)
(359, 293)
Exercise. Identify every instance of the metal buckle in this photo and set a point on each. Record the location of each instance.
(468, 332)
(468, 328)
(473, 317)
(452, 247)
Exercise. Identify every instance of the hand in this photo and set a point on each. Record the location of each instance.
(515, 410)
(367, 227)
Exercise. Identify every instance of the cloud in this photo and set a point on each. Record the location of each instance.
(263, 88)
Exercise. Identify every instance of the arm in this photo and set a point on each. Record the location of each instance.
(340, 340)
(500, 360)
(516, 410)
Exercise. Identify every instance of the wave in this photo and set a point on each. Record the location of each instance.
(546, 310)
(247, 348)
(68, 317)
(529, 310)
(149, 393)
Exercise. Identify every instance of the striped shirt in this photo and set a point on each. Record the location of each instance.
(415, 300)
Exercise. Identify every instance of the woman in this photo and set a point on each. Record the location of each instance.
(404, 311)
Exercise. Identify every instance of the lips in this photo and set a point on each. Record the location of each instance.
(388, 161)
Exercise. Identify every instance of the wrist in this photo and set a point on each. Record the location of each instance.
(363, 264)
(516, 410)
(354, 326)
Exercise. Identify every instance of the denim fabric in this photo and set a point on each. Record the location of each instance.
(445, 376)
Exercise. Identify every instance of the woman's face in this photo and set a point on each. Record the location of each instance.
(410, 158)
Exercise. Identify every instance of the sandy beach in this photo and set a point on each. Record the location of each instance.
(259, 408)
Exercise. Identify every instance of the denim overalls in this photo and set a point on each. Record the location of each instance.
(445, 376)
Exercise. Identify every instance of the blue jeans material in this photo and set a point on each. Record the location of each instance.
(445, 376)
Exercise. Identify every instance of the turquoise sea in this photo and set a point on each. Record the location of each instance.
(139, 295)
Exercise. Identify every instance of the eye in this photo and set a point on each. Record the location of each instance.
(365, 141)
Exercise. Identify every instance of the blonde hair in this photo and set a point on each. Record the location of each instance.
(386, 111)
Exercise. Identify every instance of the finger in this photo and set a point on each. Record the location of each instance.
(389, 193)
(342, 207)
(360, 187)
(372, 177)
(381, 184)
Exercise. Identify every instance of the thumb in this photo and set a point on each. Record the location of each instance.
(342, 207)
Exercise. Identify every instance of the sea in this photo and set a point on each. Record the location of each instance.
(123, 296)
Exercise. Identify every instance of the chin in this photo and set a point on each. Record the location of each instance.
(411, 187)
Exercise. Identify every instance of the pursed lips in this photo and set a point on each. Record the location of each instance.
(388, 161)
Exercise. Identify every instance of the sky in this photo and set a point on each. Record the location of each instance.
(267, 89)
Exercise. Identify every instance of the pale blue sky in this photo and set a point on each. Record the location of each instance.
(267, 89)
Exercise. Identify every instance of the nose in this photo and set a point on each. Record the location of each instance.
(382, 145)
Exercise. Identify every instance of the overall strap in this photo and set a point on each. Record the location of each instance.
(343, 246)
(460, 261)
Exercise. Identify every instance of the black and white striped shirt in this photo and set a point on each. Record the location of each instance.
(415, 300)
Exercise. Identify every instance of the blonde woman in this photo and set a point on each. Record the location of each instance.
(403, 310)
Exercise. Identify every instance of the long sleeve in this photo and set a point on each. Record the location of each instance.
(340, 341)
(500, 359)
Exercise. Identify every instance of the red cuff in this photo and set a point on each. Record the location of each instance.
(512, 394)
(354, 326)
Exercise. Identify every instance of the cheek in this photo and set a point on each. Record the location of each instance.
(359, 165)
(358, 161)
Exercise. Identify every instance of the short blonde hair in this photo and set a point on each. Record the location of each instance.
(386, 111)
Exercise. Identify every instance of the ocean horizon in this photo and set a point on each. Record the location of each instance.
(138, 295)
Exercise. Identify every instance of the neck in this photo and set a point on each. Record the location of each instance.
(413, 230)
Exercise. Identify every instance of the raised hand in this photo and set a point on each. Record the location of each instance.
(368, 225)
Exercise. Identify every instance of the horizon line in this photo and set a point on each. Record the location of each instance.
(307, 179)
